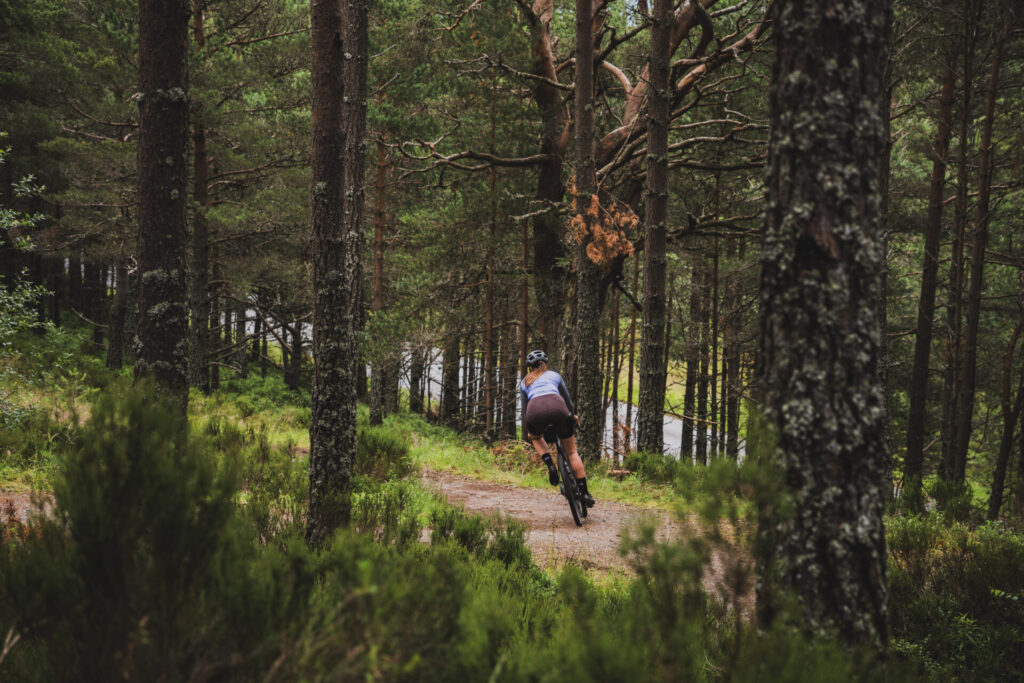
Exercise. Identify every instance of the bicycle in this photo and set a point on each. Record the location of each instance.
(567, 480)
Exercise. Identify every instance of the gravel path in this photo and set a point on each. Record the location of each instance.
(555, 540)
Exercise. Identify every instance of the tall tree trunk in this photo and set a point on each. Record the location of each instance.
(450, 380)
(162, 159)
(416, 368)
(214, 333)
(118, 310)
(378, 375)
(703, 352)
(199, 273)
(549, 275)
(392, 375)
(524, 326)
(509, 389)
(94, 299)
(469, 402)
(632, 357)
(54, 283)
(821, 276)
(969, 368)
(914, 464)
(651, 408)
(264, 352)
(954, 306)
(616, 370)
(339, 40)
(713, 376)
(586, 338)
(687, 447)
(257, 336)
(489, 341)
(1011, 414)
(242, 353)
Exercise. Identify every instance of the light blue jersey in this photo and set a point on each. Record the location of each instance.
(549, 383)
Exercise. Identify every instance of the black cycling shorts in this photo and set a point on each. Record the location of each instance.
(549, 411)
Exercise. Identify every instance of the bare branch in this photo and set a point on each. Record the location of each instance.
(462, 15)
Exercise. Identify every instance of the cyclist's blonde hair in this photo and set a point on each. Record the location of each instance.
(535, 373)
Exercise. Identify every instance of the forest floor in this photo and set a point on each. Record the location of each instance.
(555, 540)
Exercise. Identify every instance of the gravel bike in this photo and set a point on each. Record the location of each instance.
(567, 480)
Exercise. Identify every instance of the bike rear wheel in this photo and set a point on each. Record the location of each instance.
(570, 489)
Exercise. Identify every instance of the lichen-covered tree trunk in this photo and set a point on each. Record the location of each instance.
(586, 333)
(339, 45)
(549, 276)
(162, 157)
(651, 406)
(821, 276)
(914, 461)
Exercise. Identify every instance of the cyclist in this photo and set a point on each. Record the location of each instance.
(546, 402)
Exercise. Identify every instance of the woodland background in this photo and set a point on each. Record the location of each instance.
(471, 235)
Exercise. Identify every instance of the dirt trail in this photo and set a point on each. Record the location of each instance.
(17, 505)
(554, 539)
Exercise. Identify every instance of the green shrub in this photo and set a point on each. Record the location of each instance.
(382, 454)
(654, 467)
(33, 440)
(141, 517)
(956, 597)
(384, 510)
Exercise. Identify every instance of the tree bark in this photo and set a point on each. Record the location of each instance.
(954, 306)
(214, 333)
(118, 311)
(450, 380)
(651, 408)
(820, 336)
(686, 448)
(378, 371)
(242, 353)
(968, 369)
(339, 72)
(914, 462)
(1011, 415)
(703, 377)
(509, 387)
(586, 340)
(549, 275)
(713, 370)
(162, 159)
(628, 445)
(199, 273)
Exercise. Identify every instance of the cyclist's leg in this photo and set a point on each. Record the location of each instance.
(540, 445)
(575, 462)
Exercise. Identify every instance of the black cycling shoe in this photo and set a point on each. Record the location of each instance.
(588, 499)
(552, 471)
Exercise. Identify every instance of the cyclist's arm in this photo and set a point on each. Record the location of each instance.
(564, 391)
(523, 399)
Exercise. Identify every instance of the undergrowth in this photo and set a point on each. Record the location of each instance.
(188, 540)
